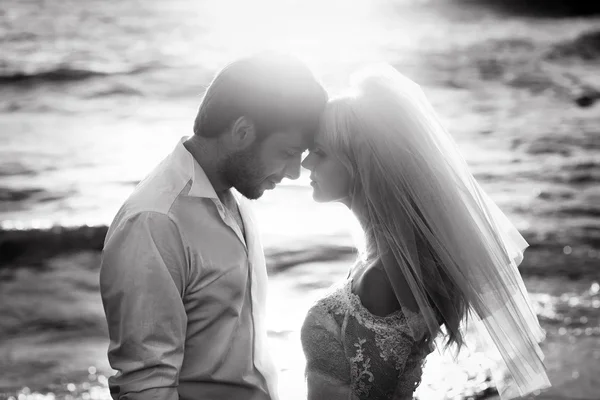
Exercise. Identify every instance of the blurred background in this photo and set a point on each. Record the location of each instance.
(93, 93)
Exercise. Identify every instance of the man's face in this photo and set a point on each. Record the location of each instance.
(265, 163)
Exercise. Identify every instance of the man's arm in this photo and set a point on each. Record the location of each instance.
(142, 279)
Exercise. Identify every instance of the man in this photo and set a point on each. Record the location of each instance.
(183, 276)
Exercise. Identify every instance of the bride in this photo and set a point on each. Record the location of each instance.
(438, 252)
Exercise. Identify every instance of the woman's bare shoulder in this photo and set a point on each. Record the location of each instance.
(376, 293)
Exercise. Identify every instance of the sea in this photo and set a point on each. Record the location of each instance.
(94, 93)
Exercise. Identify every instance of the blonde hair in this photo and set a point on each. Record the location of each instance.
(434, 227)
(363, 132)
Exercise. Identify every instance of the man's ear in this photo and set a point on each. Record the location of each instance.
(243, 133)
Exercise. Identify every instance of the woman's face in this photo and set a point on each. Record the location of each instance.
(329, 177)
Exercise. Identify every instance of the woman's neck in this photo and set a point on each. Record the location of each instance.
(359, 209)
(376, 258)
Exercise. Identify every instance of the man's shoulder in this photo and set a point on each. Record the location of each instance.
(158, 191)
(153, 198)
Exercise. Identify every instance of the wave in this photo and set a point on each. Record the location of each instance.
(65, 74)
(16, 195)
(549, 254)
(115, 90)
(19, 168)
(586, 46)
(35, 246)
(280, 260)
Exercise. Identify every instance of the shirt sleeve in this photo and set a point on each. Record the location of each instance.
(142, 281)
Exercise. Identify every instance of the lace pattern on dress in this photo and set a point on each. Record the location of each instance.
(360, 369)
(394, 340)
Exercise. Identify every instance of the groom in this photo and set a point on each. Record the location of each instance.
(183, 276)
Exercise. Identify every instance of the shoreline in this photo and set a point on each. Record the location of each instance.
(549, 254)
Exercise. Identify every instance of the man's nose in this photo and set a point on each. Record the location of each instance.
(292, 170)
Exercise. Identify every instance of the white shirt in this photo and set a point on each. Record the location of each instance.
(184, 292)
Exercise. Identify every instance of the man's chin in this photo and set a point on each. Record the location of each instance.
(253, 193)
(256, 191)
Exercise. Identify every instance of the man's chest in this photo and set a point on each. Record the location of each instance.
(233, 212)
(237, 216)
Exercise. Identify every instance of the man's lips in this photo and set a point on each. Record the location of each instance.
(272, 183)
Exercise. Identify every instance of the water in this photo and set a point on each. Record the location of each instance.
(97, 98)
(94, 93)
(94, 97)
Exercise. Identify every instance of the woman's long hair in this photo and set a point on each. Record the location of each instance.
(431, 223)
(394, 220)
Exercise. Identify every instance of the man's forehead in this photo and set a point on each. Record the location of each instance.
(319, 139)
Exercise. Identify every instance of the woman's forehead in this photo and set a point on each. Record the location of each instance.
(325, 131)
(293, 138)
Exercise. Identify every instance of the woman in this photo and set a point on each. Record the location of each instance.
(438, 250)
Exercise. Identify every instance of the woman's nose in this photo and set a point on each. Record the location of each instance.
(307, 162)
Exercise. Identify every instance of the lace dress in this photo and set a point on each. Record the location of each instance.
(353, 354)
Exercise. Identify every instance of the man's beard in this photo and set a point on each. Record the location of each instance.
(242, 170)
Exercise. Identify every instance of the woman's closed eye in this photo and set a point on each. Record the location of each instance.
(318, 152)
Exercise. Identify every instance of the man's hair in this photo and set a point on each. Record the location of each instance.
(275, 91)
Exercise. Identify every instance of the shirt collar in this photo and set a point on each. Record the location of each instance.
(201, 186)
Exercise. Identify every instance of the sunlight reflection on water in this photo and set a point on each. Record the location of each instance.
(87, 148)
(330, 36)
